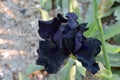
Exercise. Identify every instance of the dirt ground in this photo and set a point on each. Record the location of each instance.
(18, 36)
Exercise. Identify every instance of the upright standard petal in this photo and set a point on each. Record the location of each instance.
(61, 18)
(72, 15)
(78, 41)
(72, 20)
(47, 29)
(83, 27)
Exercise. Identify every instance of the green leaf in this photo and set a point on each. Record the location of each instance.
(104, 74)
(117, 0)
(90, 15)
(58, 3)
(81, 70)
(114, 59)
(44, 14)
(117, 13)
(23, 77)
(116, 39)
(74, 7)
(116, 71)
(65, 7)
(109, 12)
(92, 29)
(42, 2)
(108, 3)
(105, 5)
(78, 75)
(32, 68)
(65, 71)
(112, 48)
(73, 72)
(115, 77)
(72, 56)
(111, 31)
(90, 18)
(52, 77)
(46, 4)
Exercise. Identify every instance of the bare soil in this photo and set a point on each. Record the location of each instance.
(18, 37)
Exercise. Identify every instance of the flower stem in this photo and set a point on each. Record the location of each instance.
(98, 20)
(99, 24)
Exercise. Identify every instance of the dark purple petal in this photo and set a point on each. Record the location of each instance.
(47, 29)
(68, 44)
(86, 54)
(65, 37)
(97, 44)
(69, 39)
(50, 56)
(58, 36)
(78, 41)
(83, 27)
(61, 19)
(70, 33)
(72, 15)
(71, 21)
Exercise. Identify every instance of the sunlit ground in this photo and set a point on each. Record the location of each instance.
(18, 37)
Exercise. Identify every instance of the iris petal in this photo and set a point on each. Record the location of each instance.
(70, 34)
(50, 56)
(68, 44)
(72, 15)
(60, 17)
(78, 41)
(86, 54)
(47, 29)
(71, 21)
(83, 27)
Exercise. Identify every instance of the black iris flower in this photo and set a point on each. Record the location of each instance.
(63, 36)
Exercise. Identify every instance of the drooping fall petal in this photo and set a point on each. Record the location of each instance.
(87, 52)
